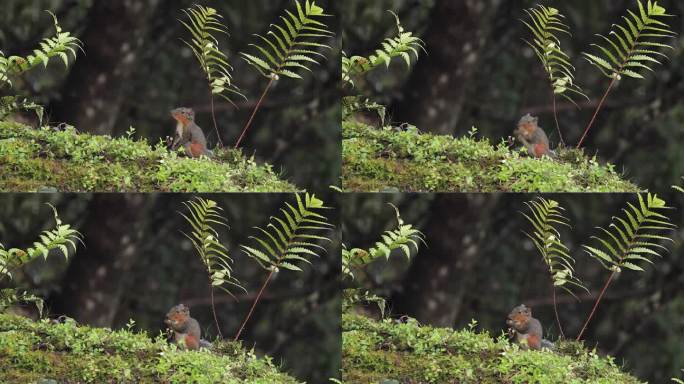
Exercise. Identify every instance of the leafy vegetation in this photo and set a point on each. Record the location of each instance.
(404, 352)
(202, 216)
(389, 158)
(65, 160)
(48, 351)
(61, 238)
(544, 216)
(545, 23)
(630, 48)
(402, 45)
(60, 45)
(288, 47)
(203, 21)
(404, 237)
(631, 240)
(289, 241)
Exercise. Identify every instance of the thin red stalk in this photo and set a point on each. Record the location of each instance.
(555, 117)
(555, 310)
(213, 310)
(256, 109)
(213, 116)
(598, 300)
(598, 109)
(254, 304)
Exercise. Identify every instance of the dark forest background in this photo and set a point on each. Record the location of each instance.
(135, 70)
(136, 265)
(478, 264)
(478, 72)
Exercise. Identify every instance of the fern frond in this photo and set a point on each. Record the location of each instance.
(544, 216)
(289, 241)
(203, 216)
(635, 238)
(678, 188)
(60, 45)
(202, 23)
(632, 47)
(404, 237)
(545, 23)
(404, 45)
(293, 45)
(63, 237)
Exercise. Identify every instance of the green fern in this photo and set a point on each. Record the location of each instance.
(678, 188)
(203, 22)
(202, 216)
(402, 45)
(404, 237)
(632, 46)
(292, 45)
(60, 45)
(544, 214)
(545, 23)
(634, 239)
(630, 241)
(62, 237)
(290, 240)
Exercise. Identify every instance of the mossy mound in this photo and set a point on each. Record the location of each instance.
(388, 159)
(65, 353)
(406, 353)
(64, 160)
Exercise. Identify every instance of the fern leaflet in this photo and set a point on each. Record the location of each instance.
(633, 239)
(202, 216)
(402, 45)
(203, 21)
(292, 45)
(544, 214)
(61, 45)
(403, 237)
(290, 240)
(633, 46)
(62, 237)
(544, 23)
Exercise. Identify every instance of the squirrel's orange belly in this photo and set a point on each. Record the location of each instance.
(196, 149)
(540, 150)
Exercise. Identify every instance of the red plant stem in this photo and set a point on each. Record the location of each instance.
(555, 117)
(598, 300)
(598, 109)
(256, 109)
(213, 310)
(555, 310)
(254, 304)
(213, 116)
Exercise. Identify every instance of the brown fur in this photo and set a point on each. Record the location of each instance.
(533, 137)
(186, 330)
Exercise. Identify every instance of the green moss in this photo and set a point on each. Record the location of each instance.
(68, 353)
(387, 159)
(389, 351)
(34, 159)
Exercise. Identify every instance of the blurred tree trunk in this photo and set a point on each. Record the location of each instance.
(436, 91)
(440, 274)
(99, 274)
(96, 86)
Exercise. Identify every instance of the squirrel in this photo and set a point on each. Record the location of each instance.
(189, 135)
(526, 330)
(186, 330)
(533, 137)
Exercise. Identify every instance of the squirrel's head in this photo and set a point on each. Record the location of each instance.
(182, 114)
(528, 123)
(519, 314)
(177, 314)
